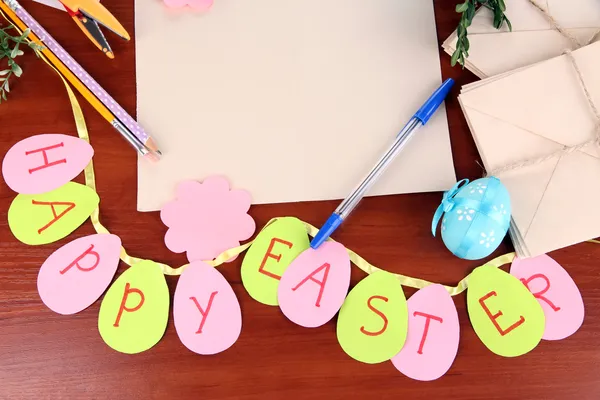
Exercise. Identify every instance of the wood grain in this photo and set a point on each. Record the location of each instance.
(47, 356)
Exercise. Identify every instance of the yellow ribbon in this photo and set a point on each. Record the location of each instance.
(90, 181)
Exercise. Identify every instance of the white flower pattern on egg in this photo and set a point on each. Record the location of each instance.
(466, 213)
(500, 209)
(444, 224)
(479, 188)
(487, 240)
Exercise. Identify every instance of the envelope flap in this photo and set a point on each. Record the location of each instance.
(546, 99)
(505, 51)
(525, 17)
(526, 187)
(568, 212)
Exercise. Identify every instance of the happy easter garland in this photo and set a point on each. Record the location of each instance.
(375, 322)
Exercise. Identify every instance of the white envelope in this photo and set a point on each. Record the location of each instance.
(293, 100)
(532, 113)
(533, 39)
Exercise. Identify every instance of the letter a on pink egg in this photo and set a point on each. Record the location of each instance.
(556, 292)
(77, 274)
(207, 314)
(433, 335)
(43, 163)
(314, 286)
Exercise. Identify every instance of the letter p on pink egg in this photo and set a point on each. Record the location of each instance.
(42, 163)
(77, 274)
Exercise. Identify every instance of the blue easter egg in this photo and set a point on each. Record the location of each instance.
(475, 217)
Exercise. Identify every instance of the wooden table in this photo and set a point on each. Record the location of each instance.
(45, 355)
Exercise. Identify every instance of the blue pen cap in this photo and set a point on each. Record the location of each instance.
(326, 230)
(436, 99)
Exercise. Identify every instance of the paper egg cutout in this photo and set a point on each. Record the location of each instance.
(44, 218)
(134, 312)
(43, 163)
(207, 314)
(475, 217)
(314, 286)
(555, 291)
(504, 314)
(274, 248)
(372, 322)
(77, 274)
(433, 335)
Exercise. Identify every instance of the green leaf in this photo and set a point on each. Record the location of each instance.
(15, 51)
(470, 14)
(497, 19)
(6, 87)
(5, 72)
(461, 30)
(4, 95)
(17, 70)
(461, 8)
(454, 58)
(466, 45)
(508, 23)
(502, 5)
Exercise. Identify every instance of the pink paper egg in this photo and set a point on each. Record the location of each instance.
(207, 314)
(77, 274)
(45, 162)
(433, 335)
(314, 286)
(555, 290)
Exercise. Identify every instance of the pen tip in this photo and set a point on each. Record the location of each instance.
(110, 54)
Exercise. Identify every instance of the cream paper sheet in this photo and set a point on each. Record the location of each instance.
(292, 100)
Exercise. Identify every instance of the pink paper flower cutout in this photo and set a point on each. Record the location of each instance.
(207, 218)
(199, 5)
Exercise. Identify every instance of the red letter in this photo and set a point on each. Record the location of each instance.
(124, 307)
(46, 163)
(539, 295)
(202, 312)
(268, 255)
(376, 311)
(494, 317)
(69, 205)
(426, 330)
(81, 257)
(320, 283)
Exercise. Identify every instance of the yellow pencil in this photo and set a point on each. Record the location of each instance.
(81, 88)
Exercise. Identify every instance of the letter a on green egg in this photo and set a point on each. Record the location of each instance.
(45, 218)
(373, 321)
(274, 248)
(134, 313)
(504, 314)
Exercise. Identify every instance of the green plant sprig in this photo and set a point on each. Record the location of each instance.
(467, 9)
(9, 48)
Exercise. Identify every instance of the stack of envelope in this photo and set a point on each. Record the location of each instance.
(533, 112)
(532, 39)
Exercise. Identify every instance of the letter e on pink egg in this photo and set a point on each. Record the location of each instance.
(314, 286)
(433, 335)
(42, 163)
(77, 274)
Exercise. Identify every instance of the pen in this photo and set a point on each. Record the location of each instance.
(419, 119)
(83, 82)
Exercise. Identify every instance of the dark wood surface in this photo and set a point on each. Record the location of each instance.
(45, 355)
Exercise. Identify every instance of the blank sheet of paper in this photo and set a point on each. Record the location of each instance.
(292, 100)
